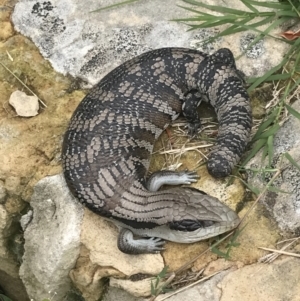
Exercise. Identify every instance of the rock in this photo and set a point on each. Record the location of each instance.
(115, 293)
(89, 47)
(6, 30)
(90, 279)
(221, 265)
(52, 240)
(100, 238)
(207, 290)
(4, 225)
(13, 287)
(100, 258)
(25, 106)
(3, 193)
(13, 185)
(141, 288)
(285, 211)
(277, 281)
(9, 276)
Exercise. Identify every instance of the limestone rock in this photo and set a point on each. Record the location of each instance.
(141, 288)
(6, 30)
(285, 210)
(207, 290)
(90, 278)
(100, 238)
(13, 287)
(3, 193)
(88, 47)
(9, 277)
(52, 240)
(277, 281)
(115, 293)
(220, 265)
(25, 106)
(100, 258)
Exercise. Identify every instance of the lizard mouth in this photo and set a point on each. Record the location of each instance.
(189, 225)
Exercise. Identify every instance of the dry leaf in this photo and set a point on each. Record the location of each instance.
(290, 35)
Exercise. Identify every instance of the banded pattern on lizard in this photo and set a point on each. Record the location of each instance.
(107, 147)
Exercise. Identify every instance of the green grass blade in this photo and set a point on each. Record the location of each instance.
(276, 77)
(190, 9)
(263, 21)
(269, 132)
(210, 24)
(219, 253)
(255, 190)
(220, 9)
(114, 5)
(295, 47)
(267, 30)
(292, 111)
(264, 153)
(273, 5)
(264, 125)
(297, 10)
(207, 17)
(287, 14)
(4, 298)
(270, 144)
(266, 75)
(290, 90)
(292, 160)
(230, 30)
(153, 291)
(257, 146)
(277, 190)
(251, 7)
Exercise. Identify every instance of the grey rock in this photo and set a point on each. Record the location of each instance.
(25, 105)
(26, 219)
(283, 207)
(115, 293)
(13, 287)
(207, 290)
(277, 281)
(88, 45)
(52, 240)
(255, 50)
(3, 193)
(9, 277)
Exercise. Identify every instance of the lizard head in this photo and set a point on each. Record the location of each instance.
(200, 216)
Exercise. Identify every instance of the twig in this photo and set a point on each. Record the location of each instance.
(280, 252)
(187, 264)
(188, 286)
(166, 283)
(184, 149)
(279, 171)
(23, 84)
(271, 257)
